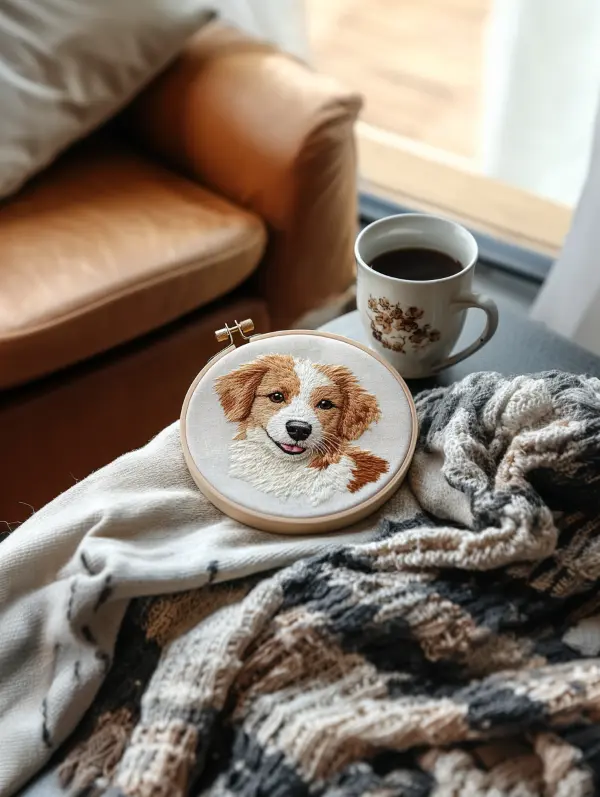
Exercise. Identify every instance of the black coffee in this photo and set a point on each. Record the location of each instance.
(416, 263)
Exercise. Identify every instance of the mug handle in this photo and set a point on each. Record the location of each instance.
(490, 308)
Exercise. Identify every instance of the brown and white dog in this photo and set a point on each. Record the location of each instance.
(296, 422)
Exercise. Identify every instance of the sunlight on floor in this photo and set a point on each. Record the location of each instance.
(418, 63)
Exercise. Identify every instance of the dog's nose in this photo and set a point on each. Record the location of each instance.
(298, 430)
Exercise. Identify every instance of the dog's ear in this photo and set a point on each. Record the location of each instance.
(360, 410)
(236, 390)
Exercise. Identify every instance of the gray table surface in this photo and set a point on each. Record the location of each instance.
(520, 346)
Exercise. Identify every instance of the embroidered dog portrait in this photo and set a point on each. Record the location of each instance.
(296, 422)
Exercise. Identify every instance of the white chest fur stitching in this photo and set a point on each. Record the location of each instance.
(251, 462)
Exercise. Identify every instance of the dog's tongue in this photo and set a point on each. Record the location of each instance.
(291, 449)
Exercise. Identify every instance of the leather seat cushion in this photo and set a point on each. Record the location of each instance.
(105, 246)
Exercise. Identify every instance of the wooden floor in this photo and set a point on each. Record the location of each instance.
(417, 62)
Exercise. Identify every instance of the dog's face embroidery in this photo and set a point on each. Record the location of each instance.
(295, 421)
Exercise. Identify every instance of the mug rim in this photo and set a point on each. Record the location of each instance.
(449, 222)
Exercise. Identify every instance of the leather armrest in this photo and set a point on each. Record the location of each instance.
(265, 131)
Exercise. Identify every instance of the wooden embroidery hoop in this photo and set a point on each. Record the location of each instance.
(278, 524)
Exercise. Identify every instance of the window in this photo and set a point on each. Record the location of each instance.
(478, 109)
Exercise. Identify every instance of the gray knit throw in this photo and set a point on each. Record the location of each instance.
(454, 655)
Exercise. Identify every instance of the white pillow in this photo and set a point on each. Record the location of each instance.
(66, 66)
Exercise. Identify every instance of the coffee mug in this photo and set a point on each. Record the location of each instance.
(415, 323)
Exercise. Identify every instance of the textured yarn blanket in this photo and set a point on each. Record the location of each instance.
(447, 649)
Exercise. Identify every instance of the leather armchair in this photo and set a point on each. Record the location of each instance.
(226, 190)
(275, 138)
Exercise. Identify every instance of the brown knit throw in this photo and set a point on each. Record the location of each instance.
(452, 656)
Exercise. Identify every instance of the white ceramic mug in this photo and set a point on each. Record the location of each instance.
(415, 324)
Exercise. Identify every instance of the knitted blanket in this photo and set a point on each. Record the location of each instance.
(452, 653)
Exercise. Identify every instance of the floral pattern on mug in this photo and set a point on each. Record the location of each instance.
(398, 328)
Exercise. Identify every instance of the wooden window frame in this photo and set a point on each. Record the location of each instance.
(517, 231)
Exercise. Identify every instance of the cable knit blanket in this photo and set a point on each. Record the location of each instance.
(448, 650)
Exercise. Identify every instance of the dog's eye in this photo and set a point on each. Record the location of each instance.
(325, 404)
(277, 397)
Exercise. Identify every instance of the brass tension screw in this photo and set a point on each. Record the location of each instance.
(243, 327)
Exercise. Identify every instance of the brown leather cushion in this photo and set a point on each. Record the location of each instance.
(107, 245)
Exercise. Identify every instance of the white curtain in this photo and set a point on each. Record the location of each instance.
(541, 95)
(569, 301)
(540, 92)
(282, 22)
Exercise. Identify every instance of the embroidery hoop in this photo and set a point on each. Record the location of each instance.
(276, 523)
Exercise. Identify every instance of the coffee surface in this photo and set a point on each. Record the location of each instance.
(416, 263)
